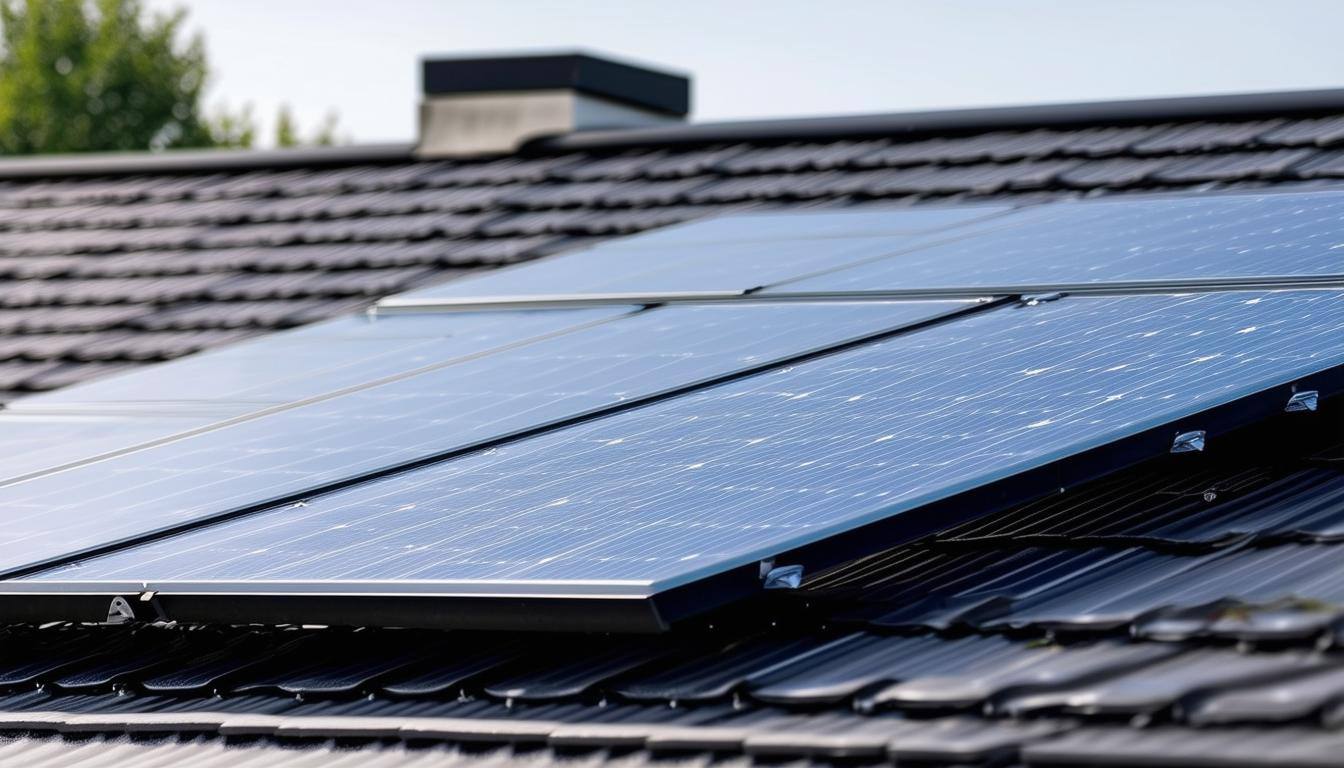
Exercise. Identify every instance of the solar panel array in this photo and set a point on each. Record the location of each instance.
(624, 452)
(657, 496)
(473, 401)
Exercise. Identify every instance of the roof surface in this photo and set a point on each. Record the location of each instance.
(108, 272)
(1204, 629)
(1184, 611)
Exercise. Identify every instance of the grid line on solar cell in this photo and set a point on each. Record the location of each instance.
(294, 451)
(668, 493)
(1158, 239)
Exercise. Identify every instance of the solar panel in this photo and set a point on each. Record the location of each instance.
(1155, 239)
(308, 362)
(474, 400)
(36, 442)
(663, 495)
(734, 253)
(79, 423)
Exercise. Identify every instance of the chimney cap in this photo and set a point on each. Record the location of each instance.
(634, 85)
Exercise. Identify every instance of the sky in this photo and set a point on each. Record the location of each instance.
(771, 58)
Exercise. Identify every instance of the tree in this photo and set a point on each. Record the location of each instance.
(287, 130)
(80, 75)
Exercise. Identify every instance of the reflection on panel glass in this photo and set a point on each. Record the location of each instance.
(477, 399)
(1232, 236)
(121, 413)
(734, 253)
(671, 492)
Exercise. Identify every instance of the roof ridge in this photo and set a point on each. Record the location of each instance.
(200, 160)
(904, 124)
(964, 120)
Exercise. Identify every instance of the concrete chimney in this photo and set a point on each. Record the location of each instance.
(489, 105)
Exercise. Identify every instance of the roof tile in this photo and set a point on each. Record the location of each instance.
(1113, 172)
(1234, 167)
(1317, 131)
(1205, 137)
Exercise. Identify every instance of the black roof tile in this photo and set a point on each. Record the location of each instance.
(1007, 676)
(1285, 699)
(557, 195)
(244, 314)
(793, 158)
(1113, 172)
(1204, 137)
(1317, 131)
(692, 162)
(1234, 167)
(476, 213)
(1323, 165)
(1167, 683)
(1214, 747)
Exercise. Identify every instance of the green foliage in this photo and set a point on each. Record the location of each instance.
(287, 130)
(325, 135)
(79, 75)
(233, 129)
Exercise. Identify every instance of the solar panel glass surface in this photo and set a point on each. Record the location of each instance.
(1156, 239)
(474, 400)
(733, 253)
(672, 492)
(80, 423)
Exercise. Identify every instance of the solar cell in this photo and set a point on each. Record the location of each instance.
(1154, 239)
(666, 494)
(79, 423)
(474, 400)
(734, 253)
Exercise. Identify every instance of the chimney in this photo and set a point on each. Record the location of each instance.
(475, 106)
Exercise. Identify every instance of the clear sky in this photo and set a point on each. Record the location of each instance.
(758, 58)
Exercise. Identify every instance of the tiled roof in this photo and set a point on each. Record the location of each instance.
(1189, 606)
(108, 272)
(1187, 610)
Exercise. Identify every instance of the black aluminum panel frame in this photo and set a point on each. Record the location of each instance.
(369, 603)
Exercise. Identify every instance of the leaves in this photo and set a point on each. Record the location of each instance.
(287, 130)
(79, 75)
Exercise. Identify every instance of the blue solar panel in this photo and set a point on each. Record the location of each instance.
(735, 253)
(50, 431)
(310, 361)
(666, 494)
(474, 400)
(1156, 239)
(762, 228)
(37, 442)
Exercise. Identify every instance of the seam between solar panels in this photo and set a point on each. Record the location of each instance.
(396, 306)
(253, 415)
(522, 434)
